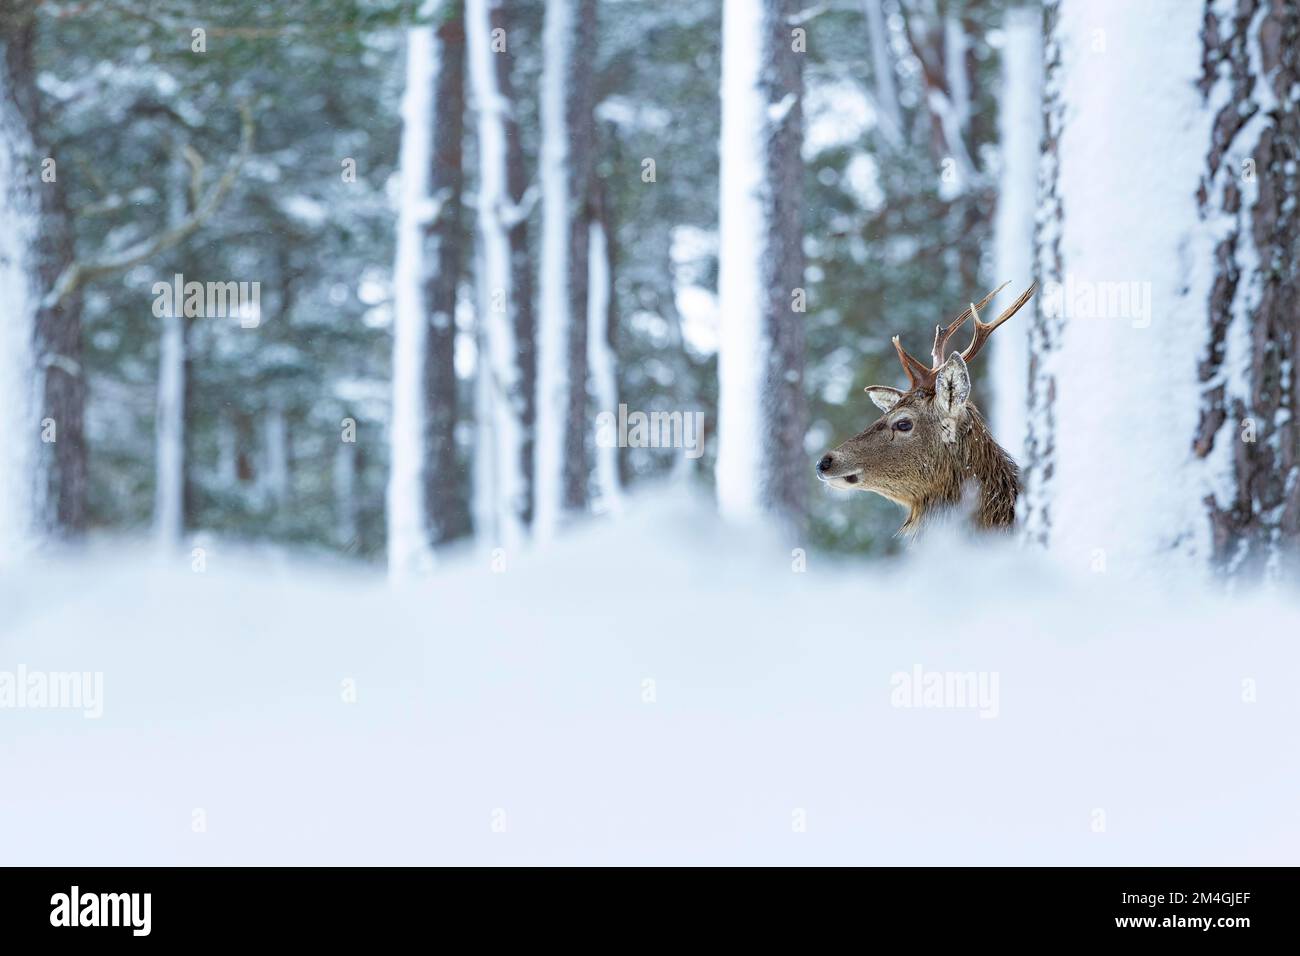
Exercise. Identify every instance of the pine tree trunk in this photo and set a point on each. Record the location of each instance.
(409, 532)
(1164, 432)
(41, 376)
(346, 510)
(169, 425)
(762, 467)
(567, 131)
(1248, 437)
(502, 399)
(448, 499)
(601, 351)
(427, 498)
(1020, 122)
(518, 181)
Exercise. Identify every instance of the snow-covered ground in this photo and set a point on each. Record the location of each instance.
(662, 689)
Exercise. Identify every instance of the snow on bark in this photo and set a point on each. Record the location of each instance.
(1020, 131)
(604, 367)
(42, 445)
(447, 489)
(561, 455)
(409, 545)
(1127, 268)
(169, 431)
(1247, 446)
(21, 291)
(346, 505)
(742, 224)
(553, 317)
(760, 467)
(500, 419)
(169, 424)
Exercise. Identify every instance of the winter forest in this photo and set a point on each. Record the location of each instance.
(471, 394)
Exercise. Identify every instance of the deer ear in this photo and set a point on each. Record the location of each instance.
(952, 385)
(884, 396)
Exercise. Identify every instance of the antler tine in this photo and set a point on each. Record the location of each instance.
(942, 336)
(917, 372)
(984, 329)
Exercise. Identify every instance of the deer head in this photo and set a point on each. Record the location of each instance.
(931, 443)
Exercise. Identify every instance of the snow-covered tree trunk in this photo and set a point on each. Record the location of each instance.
(407, 513)
(501, 418)
(21, 289)
(346, 505)
(561, 467)
(427, 503)
(762, 468)
(275, 455)
(169, 422)
(1020, 123)
(882, 73)
(601, 353)
(1248, 437)
(42, 448)
(1163, 404)
(169, 434)
(448, 497)
(519, 176)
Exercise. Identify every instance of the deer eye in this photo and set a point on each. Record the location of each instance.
(903, 425)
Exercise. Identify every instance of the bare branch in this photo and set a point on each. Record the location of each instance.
(77, 274)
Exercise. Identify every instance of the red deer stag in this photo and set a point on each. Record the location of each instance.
(932, 443)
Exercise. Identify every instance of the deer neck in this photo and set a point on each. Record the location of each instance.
(974, 461)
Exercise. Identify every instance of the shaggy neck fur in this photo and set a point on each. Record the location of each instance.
(973, 457)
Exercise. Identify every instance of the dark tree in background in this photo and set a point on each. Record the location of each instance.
(448, 484)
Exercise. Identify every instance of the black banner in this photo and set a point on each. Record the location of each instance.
(357, 905)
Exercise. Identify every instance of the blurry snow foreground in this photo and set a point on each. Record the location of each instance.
(662, 689)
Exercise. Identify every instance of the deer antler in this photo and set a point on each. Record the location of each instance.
(984, 330)
(918, 373)
(922, 376)
(942, 335)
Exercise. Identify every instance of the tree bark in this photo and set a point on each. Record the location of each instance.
(448, 498)
(518, 179)
(1248, 428)
(428, 499)
(169, 425)
(601, 340)
(1166, 436)
(502, 399)
(42, 375)
(562, 465)
(762, 467)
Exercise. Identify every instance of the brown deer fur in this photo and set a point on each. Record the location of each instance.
(931, 447)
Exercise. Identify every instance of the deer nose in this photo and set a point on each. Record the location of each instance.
(825, 464)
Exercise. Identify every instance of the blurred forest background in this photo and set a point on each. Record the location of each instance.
(477, 224)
